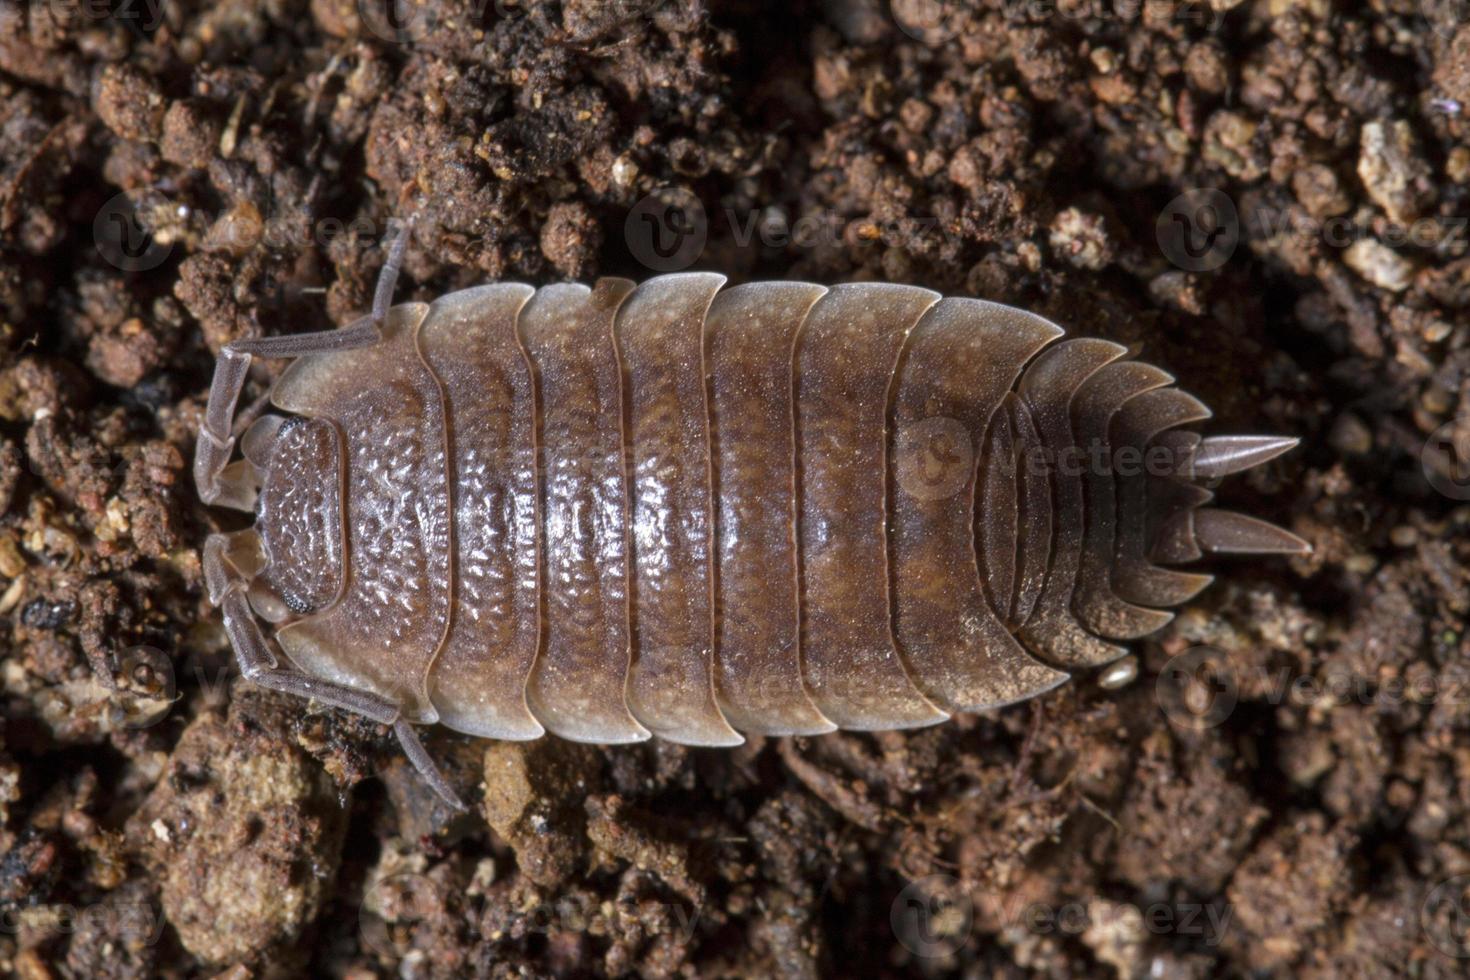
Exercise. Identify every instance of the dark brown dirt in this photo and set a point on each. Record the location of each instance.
(175, 174)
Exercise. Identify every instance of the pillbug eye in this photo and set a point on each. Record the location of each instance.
(297, 603)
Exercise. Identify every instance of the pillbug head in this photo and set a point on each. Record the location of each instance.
(299, 516)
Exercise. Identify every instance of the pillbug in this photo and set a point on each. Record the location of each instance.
(690, 511)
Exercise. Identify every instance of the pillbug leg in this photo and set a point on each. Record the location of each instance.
(388, 277)
(215, 444)
(217, 433)
(421, 760)
(227, 586)
(230, 561)
(238, 485)
(246, 416)
(258, 665)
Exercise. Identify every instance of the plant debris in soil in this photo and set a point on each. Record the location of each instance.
(178, 174)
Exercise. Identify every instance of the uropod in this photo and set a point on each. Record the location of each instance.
(682, 510)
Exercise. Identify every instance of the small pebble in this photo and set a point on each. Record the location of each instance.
(1350, 436)
(1118, 674)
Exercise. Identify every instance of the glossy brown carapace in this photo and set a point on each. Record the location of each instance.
(692, 511)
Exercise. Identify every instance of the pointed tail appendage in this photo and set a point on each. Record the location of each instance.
(1183, 530)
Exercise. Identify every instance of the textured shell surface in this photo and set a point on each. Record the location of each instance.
(696, 511)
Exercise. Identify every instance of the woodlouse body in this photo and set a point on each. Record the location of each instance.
(688, 511)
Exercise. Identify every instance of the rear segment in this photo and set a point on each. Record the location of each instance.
(961, 361)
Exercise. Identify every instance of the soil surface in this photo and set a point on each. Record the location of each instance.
(1267, 197)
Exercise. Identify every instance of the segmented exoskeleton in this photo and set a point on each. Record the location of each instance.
(689, 511)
